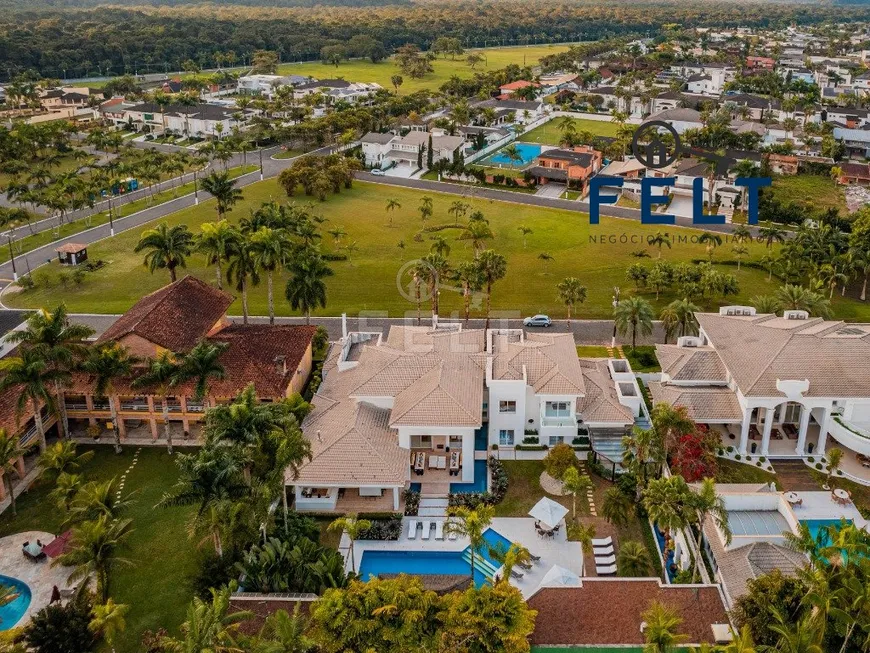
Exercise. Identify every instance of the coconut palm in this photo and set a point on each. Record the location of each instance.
(670, 423)
(796, 637)
(662, 623)
(223, 189)
(436, 269)
(207, 478)
(492, 267)
(660, 239)
(835, 459)
(161, 373)
(392, 205)
(859, 259)
(739, 250)
(571, 292)
(708, 504)
(59, 342)
(712, 241)
(306, 288)
(271, 249)
(477, 231)
(62, 458)
(108, 620)
(633, 560)
(243, 271)
(769, 233)
(208, 626)
(425, 208)
(512, 152)
(458, 209)
(440, 246)
(66, 487)
(93, 550)
(167, 247)
(353, 527)
(31, 377)
(634, 315)
(642, 453)
(515, 555)
(617, 507)
(684, 311)
(200, 365)
(670, 504)
(216, 240)
(584, 534)
(11, 452)
(107, 364)
(472, 524)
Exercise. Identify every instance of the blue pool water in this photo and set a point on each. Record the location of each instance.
(481, 438)
(669, 560)
(494, 540)
(11, 613)
(528, 151)
(816, 525)
(479, 485)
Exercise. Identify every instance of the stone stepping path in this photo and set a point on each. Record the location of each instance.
(590, 493)
(127, 471)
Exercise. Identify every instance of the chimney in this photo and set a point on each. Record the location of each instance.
(281, 365)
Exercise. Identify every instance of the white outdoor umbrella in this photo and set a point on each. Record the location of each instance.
(548, 512)
(560, 577)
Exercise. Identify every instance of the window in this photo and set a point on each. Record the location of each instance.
(421, 441)
(558, 409)
(506, 437)
(507, 406)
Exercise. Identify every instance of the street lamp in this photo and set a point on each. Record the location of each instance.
(261, 164)
(615, 304)
(195, 192)
(12, 257)
(111, 222)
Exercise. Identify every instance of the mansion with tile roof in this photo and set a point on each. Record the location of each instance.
(775, 386)
(423, 404)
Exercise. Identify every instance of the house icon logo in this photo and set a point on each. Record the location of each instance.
(652, 149)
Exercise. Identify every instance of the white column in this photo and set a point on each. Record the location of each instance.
(744, 430)
(800, 449)
(468, 457)
(395, 498)
(825, 424)
(768, 425)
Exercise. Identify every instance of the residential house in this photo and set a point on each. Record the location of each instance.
(855, 139)
(335, 90)
(513, 111)
(854, 173)
(760, 63)
(506, 90)
(756, 107)
(376, 147)
(266, 85)
(572, 166)
(198, 120)
(706, 83)
(680, 119)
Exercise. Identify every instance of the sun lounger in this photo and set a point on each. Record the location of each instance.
(439, 530)
(602, 551)
(605, 560)
(427, 528)
(605, 571)
(516, 574)
(433, 462)
(535, 558)
(412, 529)
(606, 541)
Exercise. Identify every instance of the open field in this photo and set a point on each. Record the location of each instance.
(360, 70)
(367, 282)
(157, 585)
(813, 192)
(550, 134)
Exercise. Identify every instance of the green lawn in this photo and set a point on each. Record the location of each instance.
(814, 192)
(731, 471)
(444, 68)
(550, 134)
(640, 360)
(368, 281)
(524, 490)
(157, 585)
(592, 351)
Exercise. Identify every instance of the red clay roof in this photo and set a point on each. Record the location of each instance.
(71, 248)
(608, 612)
(513, 86)
(175, 317)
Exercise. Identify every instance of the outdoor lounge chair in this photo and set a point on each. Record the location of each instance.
(427, 529)
(602, 551)
(439, 530)
(535, 558)
(413, 525)
(433, 462)
(515, 574)
(605, 571)
(606, 541)
(605, 560)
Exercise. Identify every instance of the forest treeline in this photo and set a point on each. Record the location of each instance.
(67, 42)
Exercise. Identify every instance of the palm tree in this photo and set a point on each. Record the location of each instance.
(859, 258)
(161, 373)
(472, 524)
(468, 274)
(516, 554)
(66, 487)
(435, 268)
(799, 637)
(512, 152)
(670, 423)
(270, 249)
(200, 365)
(440, 246)
(684, 311)
(712, 241)
(243, 270)
(835, 458)
(708, 503)
(669, 503)
(108, 620)
(62, 458)
(217, 240)
(584, 534)
(207, 478)
(458, 209)
(742, 642)
(770, 234)
(392, 205)
(633, 560)
(425, 208)
(107, 364)
(353, 527)
(662, 622)
(632, 316)
(492, 267)
(617, 507)
(660, 239)
(306, 289)
(739, 251)
(477, 231)
(11, 452)
(798, 298)
(574, 483)
(168, 247)
(98, 498)
(209, 626)
(93, 550)
(765, 304)
(31, 377)
(571, 292)
(525, 231)
(223, 189)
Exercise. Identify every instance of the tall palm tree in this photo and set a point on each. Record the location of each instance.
(200, 365)
(634, 315)
(796, 637)
(574, 483)
(31, 375)
(440, 246)
(59, 342)
(492, 267)
(684, 311)
(306, 288)
(477, 231)
(270, 248)
(670, 423)
(472, 524)
(436, 269)
(98, 498)
(712, 241)
(467, 273)
(353, 527)
(660, 239)
(243, 270)
(458, 209)
(108, 364)
(633, 560)
(392, 205)
(516, 554)
(208, 626)
(770, 234)
(216, 241)
(10, 453)
(512, 152)
(525, 231)
(214, 474)
(669, 503)
(93, 550)
(161, 373)
(223, 189)
(708, 503)
(859, 258)
(167, 247)
(571, 292)
(62, 458)
(740, 250)
(661, 634)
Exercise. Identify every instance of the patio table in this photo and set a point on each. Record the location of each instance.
(792, 498)
(842, 495)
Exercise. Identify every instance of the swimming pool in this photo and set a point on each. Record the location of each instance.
(528, 151)
(479, 484)
(11, 613)
(816, 525)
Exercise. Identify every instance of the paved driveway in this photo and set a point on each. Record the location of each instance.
(681, 206)
(551, 190)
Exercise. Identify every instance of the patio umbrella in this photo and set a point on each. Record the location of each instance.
(548, 512)
(560, 577)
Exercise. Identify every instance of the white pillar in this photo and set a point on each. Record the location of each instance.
(800, 449)
(468, 457)
(744, 430)
(825, 424)
(768, 425)
(395, 498)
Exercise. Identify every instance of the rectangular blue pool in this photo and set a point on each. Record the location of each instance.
(416, 563)
(816, 525)
(528, 151)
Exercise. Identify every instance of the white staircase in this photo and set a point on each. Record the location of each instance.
(432, 506)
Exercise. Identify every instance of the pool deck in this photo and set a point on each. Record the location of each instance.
(820, 505)
(556, 551)
(41, 577)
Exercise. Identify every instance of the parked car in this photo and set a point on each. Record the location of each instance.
(377, 172)
(538, 321)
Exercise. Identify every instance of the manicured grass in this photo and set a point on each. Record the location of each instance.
(627, 203)
(368, 281)
(814, 192)
(592, 351)
(524, 490)
(444, 68)
(634, 357)
(550, 134)
(731, 471)
(157, 586)
(288, 154)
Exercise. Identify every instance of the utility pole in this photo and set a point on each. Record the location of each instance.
(261, 164)
(195, 193)
(12, 257)
(615, 304)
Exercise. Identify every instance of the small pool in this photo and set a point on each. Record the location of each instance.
(481, 438)
(494, 540)
(417, 563)
(817, 525)
(11, 613)
(480, 478)
(528, 151)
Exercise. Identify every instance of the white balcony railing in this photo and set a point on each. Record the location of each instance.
(558, 422)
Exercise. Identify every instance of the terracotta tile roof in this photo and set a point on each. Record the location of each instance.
(70, 248)
(691, 363)
(175, 317)
(550, 362)
(608, 611)
(450, 394)
(703, 403)
(601, 403)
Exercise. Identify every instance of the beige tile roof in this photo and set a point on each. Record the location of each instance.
(691, 363)
(703, 403)
(758, 350)
(550, 361)
(601, 403)
(450, 394)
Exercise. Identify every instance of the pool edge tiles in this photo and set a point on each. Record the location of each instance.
(13, 612)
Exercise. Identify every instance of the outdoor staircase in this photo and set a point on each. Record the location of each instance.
(432, 506)
(481, 564)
